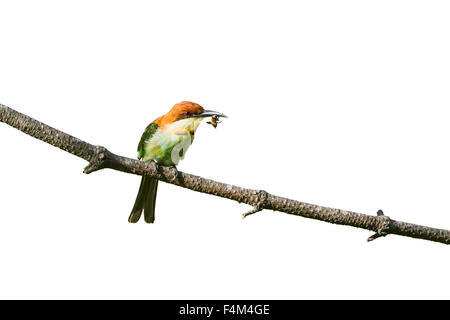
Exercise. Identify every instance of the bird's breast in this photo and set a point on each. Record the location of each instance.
(169, 144)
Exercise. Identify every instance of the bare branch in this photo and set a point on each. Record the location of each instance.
(384, 230)
(100, 158)
(262, 200)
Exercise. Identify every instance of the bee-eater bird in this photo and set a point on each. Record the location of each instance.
(165, 141)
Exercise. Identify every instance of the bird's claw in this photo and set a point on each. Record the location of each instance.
(157, 168)
(176, 174)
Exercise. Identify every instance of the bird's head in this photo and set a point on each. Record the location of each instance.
(192, 110)
(185, 117)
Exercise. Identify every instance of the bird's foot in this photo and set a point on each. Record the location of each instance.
(176, 173)
(157, 167)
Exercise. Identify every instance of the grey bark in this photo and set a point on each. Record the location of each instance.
(100, 158)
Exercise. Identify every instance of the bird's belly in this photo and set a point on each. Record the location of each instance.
(167, 150)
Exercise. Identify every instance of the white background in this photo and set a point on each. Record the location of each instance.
(339, 103)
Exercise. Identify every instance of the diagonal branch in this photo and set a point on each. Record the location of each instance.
(100, 158)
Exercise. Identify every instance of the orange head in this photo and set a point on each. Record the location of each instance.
(186, 110)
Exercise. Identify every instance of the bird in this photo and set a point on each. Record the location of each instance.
(165, 142)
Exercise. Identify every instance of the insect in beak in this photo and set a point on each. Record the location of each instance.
(214, 121)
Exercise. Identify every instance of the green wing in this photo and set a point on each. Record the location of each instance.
(148, 133)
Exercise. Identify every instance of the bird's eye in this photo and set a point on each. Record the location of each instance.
(187, 114)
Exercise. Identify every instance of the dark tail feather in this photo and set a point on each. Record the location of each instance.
(146, 194)
(150, 202)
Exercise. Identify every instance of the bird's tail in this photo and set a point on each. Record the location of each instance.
(145, 200)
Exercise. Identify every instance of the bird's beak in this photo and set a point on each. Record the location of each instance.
(209, 113)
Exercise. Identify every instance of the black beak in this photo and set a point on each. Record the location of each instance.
(209, 113)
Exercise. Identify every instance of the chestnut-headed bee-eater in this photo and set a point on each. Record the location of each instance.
(165, 142)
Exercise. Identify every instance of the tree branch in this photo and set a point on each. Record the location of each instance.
(100, 158)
